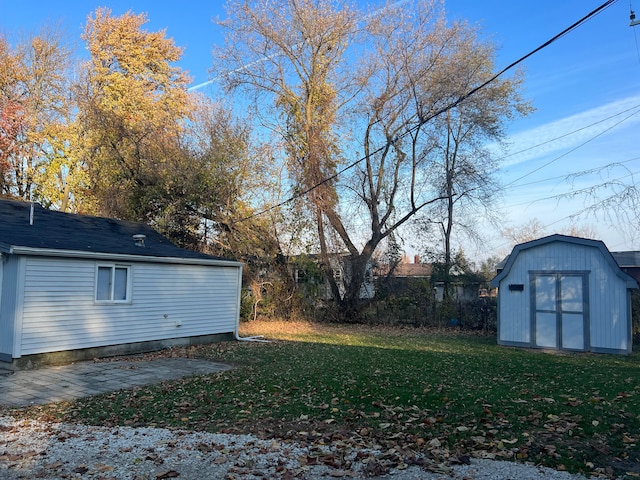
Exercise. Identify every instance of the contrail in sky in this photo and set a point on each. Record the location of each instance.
(264, 59)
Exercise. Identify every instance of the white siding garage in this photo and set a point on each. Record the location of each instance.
(60, 311)
(105, 289)
(567, 293)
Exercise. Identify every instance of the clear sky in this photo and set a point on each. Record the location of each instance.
(585, 88)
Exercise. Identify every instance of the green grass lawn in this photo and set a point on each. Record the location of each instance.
(411, 393)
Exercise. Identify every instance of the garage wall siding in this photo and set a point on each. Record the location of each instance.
(8, 294)
(167, 301)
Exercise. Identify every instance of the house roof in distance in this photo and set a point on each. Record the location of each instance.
(627, 259)
(406, 269)
(412, 270)
(50, 230)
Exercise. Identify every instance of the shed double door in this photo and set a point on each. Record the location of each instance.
(560, 312)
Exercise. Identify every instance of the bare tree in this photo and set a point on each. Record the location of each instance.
(615, 200)
(351, 94)
(462, 169)
(531, 230)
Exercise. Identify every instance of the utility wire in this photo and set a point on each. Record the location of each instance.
(510, 184)
(574, 174)
(422, 121)
(635, 35)
(574, 193)
(567, 134)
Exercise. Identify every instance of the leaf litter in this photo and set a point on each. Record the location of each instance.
(380, 400)
(127, 453)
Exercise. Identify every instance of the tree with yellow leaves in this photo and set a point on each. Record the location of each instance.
(132, 106)
(34, 103)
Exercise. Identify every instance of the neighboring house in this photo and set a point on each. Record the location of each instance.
(417, 269)
(566, 293)
(406, 279)
(629, 262)
(98, 286)
(307, 273)
(460, 291)
(460, 286)
(464, 285)
(403, 269)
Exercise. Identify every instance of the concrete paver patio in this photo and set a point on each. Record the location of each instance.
(69, 382)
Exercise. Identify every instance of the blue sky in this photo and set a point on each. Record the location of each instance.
(587, 82)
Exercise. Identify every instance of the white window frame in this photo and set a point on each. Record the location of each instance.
(113, 267)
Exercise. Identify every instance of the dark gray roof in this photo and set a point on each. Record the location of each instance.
(627, 259)
(53, 230)
(509, 261)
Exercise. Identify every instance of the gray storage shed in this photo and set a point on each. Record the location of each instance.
(98, 286)
(567, 293)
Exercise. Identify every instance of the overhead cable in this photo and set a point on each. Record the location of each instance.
(553, 160)
(439, 112)
(567, 134)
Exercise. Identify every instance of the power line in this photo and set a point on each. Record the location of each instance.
(567, 134)
(423, 121)
(633, 25)
(574, 174)
(571, 150)
(575, 193)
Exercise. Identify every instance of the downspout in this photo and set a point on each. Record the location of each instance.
(257, 338)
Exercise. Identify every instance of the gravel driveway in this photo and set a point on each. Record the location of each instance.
(34, 449)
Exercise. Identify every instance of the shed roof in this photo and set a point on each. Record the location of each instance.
(41, 230)
(509, 261)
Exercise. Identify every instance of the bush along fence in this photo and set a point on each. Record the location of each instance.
(405, 302)
(477, 314)
(414, 302)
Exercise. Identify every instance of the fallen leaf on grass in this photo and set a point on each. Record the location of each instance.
(374, 469)
(510, 442)
(462, 460)
(483, 454)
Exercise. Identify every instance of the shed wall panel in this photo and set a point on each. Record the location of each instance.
(167, 301)
(610, 324)
(514, 309)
